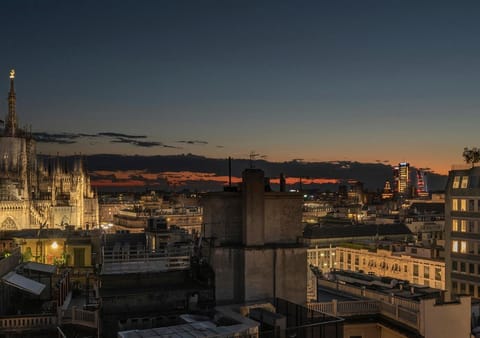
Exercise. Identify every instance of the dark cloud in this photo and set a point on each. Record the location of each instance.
(120, 135)
(144, 144)
(61, 138)
(373, 175)
(193, 142)
(97, 176)
(88, 135)
(220, 147)
(69, 138)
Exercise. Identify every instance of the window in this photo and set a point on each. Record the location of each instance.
(438, 274)
(471, 268)
(462, 267)
(456, 182)
(462, 288)
(454, 224)
(454, 287)
(463, 246)
(349, 258)
(471, 205)
(415, 269)
(463, 225)
(426, 272)
(470, 289)
(357, 260)
(405, 269)
(341, 257)
(454, 266)
(463, 205)
(454, 246)
(454, 204)
(464, 183)
(471, 226)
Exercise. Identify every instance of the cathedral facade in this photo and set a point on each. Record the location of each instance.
(39, 192)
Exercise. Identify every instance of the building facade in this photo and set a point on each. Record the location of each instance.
(40, 192)
(415, 265)
(462, 228)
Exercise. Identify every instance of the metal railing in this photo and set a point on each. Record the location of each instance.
(111, 256)
(402, 310)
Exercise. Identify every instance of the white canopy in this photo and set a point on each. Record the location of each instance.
(23, 283)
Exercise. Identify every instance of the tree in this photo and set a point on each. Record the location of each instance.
(471, 155)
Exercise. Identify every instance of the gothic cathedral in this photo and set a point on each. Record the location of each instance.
(39, 192)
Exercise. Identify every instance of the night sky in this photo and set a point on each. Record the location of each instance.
(340, 80)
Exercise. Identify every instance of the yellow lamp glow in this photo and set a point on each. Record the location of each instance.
(54, 245)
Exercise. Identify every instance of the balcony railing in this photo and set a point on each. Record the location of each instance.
(368, 307)
(27, 322)
(85, 317)
(402, 310)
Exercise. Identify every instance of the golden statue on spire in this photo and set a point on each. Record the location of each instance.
(12, 73)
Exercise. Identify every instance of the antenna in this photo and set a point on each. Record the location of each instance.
(253, 157)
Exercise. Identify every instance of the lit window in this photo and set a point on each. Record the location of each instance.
(454, 204)
(426, 272)
(454, 224)
(464, 182)
(438, 274)
(463, 205)
(463, 227)
(454, 246)
(456, 182)
(463, 246)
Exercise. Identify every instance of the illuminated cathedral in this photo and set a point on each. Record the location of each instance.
(40, 192)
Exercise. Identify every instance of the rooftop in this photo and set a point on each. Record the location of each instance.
(329, 230)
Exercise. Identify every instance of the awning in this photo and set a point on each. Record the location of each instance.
(23, 283)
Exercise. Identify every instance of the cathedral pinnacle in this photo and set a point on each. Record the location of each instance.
(11, 122)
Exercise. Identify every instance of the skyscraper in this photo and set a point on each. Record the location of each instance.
(401, 175)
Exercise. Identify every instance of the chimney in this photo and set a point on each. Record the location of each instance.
(282, 182)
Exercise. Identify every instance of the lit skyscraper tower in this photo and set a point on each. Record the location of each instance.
(401, 175)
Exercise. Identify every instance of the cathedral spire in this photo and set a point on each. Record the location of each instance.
(11, 123)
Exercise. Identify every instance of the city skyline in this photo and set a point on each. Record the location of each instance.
(370, 82)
